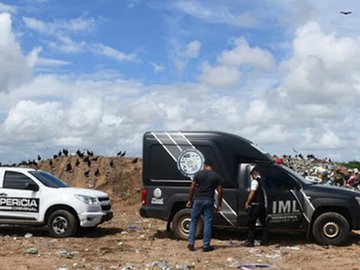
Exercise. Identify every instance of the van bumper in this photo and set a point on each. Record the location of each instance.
(152, 213)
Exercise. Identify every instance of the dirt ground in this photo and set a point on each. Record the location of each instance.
(131, 242)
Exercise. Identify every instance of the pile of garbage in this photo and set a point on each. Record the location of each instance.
(323, 171)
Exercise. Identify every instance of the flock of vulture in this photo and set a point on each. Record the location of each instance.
(82, 157)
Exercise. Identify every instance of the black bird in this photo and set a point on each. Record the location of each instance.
(111, 163)
(90, 153)
(123, 154)
(345, 12)
(86, 159)
(65, 152)
(38, 158)
(119, 153)
(50, 162)
(68, 167)
(77, 163)
(95, 158)
(60, 153)
(78, 152)
(89, 163)
(55, 156)
(135, 160)
(86, 173)
(97, 172)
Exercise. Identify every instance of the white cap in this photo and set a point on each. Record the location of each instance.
(251, 167)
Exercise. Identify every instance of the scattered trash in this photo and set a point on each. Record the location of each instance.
(161, 265)
(293, 248)
(132, 228)
(66, 254)
(232, 262)
(184, 266)
(273, 256)
(256, 265)
(127, 266)
(28, 235)
(32, 250)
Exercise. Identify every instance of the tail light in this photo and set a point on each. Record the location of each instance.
(143, 196)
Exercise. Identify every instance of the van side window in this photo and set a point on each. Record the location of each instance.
(16, 180)
(275, 178)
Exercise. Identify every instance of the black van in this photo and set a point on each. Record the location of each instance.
(170, 159)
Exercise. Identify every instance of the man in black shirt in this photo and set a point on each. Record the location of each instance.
(203, 185)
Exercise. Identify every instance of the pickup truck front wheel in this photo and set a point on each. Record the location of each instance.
(62, 223)
(181, 225)
(331, 229)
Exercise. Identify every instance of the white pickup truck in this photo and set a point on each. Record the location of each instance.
(34, 197)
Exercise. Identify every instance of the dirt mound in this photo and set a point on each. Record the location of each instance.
(120, 177)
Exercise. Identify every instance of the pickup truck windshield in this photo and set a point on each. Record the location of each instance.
(48, 179)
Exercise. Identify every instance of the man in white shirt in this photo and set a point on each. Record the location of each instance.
(255, 204)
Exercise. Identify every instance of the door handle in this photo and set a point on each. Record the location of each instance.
(3, 194)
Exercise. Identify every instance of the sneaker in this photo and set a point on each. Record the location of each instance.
(207, 249)
(191, 247)
(248, 244)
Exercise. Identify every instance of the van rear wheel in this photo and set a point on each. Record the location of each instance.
(181, 225)
(331, 229)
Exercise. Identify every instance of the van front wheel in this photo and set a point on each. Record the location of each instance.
(180, 225)
(331, 229)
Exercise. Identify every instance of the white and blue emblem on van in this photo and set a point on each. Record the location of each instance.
(190, 162)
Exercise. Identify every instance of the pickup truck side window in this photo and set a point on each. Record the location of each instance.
(16, 180)
(275, 178)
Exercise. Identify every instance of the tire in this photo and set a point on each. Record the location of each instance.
(62, 223)
(331, 229)
(181, 225)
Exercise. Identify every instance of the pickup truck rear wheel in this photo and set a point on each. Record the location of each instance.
(181, 225)
(331, 229)
(62, 223)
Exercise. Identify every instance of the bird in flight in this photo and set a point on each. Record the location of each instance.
(345, 12)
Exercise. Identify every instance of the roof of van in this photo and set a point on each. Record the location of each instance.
(229, 143)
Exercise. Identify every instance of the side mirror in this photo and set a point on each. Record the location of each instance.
(32, 186)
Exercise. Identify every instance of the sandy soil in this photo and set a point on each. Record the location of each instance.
(131, 242)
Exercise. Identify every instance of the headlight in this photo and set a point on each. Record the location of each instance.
(87, 199)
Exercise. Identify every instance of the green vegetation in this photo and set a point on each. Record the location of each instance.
(351, 164)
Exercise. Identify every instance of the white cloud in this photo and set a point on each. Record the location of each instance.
(60, 27)
(157, 67)
(321, 74)
(7, 8)
(227, 72)
(14, 67)
(214, 14)
(185, 53)
(243, 54)
(192, 49)
(32, 121)
(219, 76)
(113, 53)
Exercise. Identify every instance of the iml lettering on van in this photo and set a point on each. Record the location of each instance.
(282, 207)
(19, 204)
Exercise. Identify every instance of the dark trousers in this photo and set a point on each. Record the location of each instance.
(257, 212)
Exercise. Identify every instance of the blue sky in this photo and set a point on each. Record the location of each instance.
(98, 74)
